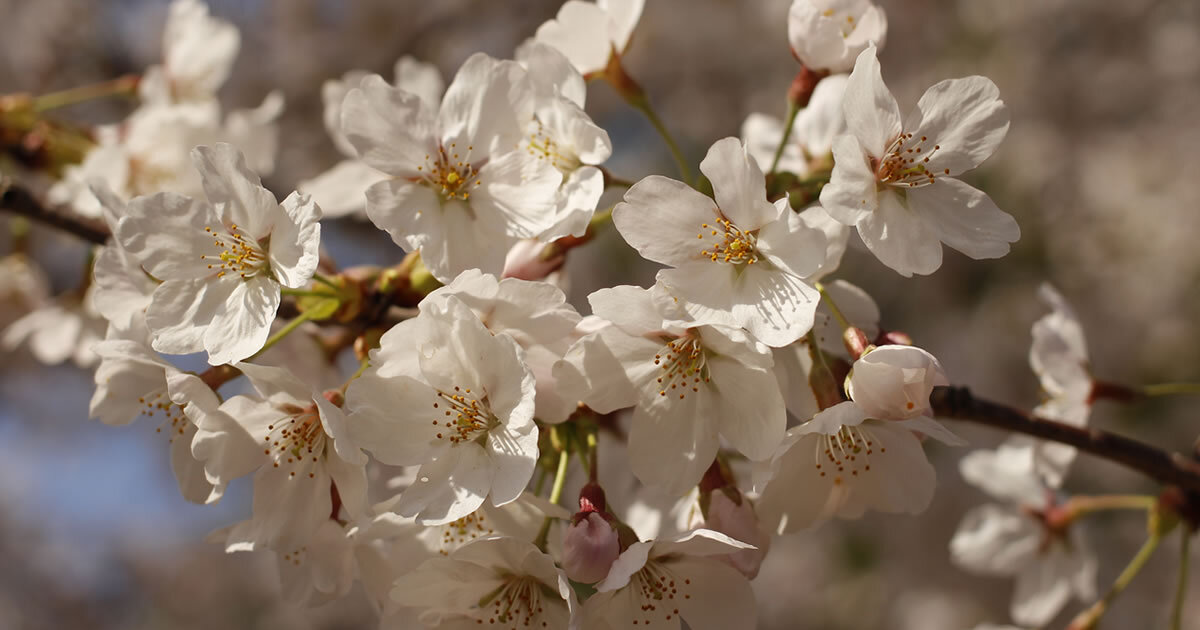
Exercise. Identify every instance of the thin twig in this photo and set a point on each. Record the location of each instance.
(19, 201)
(1169, 468)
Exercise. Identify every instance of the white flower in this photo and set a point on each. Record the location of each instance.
(535, 314)
(828, 34)
(198, 52)
(221, 262)
(671, 580)
(1059, 357)
(299, 444)
(809, 149)
(1050, 565)
(444, 393)
(342, 190)
(691, 384)
(65, 329)
(562, 134)
(737, 261)
(461, 191)
(503, 581)
(863, 453)
(590, 33)
(131, 381)
(895, 180)
(23, 287)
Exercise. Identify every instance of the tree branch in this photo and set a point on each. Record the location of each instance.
(1169, 468)
(19, 201)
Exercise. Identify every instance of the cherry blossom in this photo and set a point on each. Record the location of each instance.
(863, 453)
(809, 148)
(198, 52)
(460, 190)
(828, 34)
(895, 180)
(671, 580)
(444, 393)
(590, 34)
(221, 261)
(737, 260)
(1059, 357)
(61, 330)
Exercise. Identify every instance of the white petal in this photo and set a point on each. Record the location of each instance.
(227, 180)
(721, 597)
(241, 328)
(965, 218)
(965, 118)
(295, 239)
(391, 129)
(180, 312)
(995, 540)
(851, 194)
(449, 487)
(738, 185)
(872, 114)
(576, 32)
(661, 217)
(750, 408)
(792, 245)
(900, 237)
(672, 443)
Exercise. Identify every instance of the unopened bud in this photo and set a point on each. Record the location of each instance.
(856, 342)
(527, 260)
(801, 89)
(590, 547)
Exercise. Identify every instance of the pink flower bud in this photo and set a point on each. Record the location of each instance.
(527, 260)
(740, 523)
(589, 549)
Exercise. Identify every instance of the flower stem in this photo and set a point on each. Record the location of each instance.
(1090, 617)
(1083, 505)
(560, 479)
(591, 456)
(641, 103)
(327, 282)
(283, 332)
(1169, 389)
(793, 111)
(833, 307)
(305, 293)
(1181, 585)
(71, 96)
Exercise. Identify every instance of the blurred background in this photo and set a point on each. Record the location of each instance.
(1101, 168)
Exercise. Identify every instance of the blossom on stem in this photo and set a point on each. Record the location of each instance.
(809, 149)
(502, 581)
(1050, 561)
(671, 580)
(461, 190)
(198, 52)
(738, 260)
(1059, 357)
(590, 34)
(895, 180)
(691, 384)
(222, 261)
(64, 329)
(863, 453)
(446, 394)
(829, 34)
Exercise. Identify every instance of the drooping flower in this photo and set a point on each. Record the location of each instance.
(828, 34)
(1059, 357)
(671, 580)
(863, 453)
(446, 394)
(590, 34)
(895, 180)
(737, 261)
(1049, 561)
(461, 191)
(221, 261)
(691, 384)
(503, 581)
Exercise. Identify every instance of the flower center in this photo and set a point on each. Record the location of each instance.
(657, 588)
(848, 450)
(458, 533)
(684, 364)
(465, 418)
(239, 254)
(905, 162)
(174, 421)
(517, 603)
(544, 147)
(728, 244)
(847, 24)
(297, 440)
(451, 172)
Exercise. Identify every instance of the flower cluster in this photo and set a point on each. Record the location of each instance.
(756, 392)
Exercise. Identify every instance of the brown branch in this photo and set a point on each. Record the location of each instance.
(1169, 468)
(19, 201)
